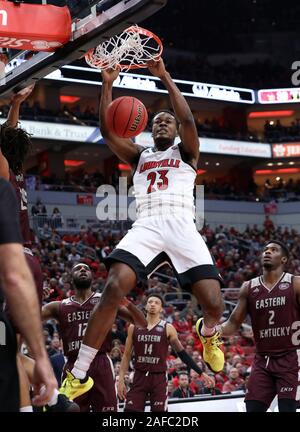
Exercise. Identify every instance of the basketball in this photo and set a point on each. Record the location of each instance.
(126, 117)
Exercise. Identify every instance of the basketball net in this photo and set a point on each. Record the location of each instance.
(132, 49)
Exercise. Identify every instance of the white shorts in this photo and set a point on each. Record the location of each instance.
(157, 240)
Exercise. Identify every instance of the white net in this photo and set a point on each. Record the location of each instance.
(132, 49)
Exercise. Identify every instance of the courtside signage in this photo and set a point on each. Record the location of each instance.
(220, 146)
(67, 132)
(279, 96)
(286, 150)
(83, 75)
(61, 132)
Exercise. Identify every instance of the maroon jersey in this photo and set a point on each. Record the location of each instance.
(275, 315)
(19, 185)
(73, 319)
(36, 271)
(151, 348)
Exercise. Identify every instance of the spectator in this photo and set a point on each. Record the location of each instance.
(183, 390)
(234, 383)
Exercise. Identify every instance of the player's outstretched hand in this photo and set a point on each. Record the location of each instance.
(209, 382)
(121, 389)
(44, 381)
(22, 94)
(157, 68)
(110, 75)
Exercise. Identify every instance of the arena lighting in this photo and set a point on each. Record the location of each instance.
(73, 163)
(68, 99)
(124, 167)
(267, 114)
(278, 171)
(201, 171)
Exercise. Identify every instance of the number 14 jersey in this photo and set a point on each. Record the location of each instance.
(151, 348)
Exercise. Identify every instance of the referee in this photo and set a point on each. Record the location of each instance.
(17, 288)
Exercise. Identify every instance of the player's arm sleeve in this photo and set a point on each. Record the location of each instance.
(10, 231)
(185, 358)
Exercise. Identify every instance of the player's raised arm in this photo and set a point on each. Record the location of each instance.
(14, 111)
(50, 310)
(129, 312)
(125, 363)
(124, 148)
(187, 129)
(238, 314)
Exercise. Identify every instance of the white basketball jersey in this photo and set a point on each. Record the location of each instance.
(163, 183)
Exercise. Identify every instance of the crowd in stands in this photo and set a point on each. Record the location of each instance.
(81, 181)
(275, 132)
(237, 255)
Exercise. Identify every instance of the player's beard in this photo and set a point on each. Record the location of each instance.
(82, 283)
(163, 143)
(268, 266)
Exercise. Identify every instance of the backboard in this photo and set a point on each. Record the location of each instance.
(100, 20)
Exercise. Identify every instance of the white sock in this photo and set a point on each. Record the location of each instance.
(84, 359)
(26, 409)
(53, 400)
(207, 331)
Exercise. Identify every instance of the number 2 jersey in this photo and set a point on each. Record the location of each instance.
(151, 348)
(275, 315)
(18, 183)
(163, 183)
(73, 319)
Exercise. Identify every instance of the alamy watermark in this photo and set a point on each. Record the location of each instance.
(123, 203)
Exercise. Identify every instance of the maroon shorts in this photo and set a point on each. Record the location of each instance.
(271, 376)
(102, 396)
(148, 386)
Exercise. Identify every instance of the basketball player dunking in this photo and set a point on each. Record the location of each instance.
(150, 347)
(273, 303)
(164, 231)
(72, 315)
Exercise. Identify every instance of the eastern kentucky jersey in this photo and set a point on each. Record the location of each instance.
(73, 319)
(275, 315)
(18, 182)
(151, 348)
(163, 183)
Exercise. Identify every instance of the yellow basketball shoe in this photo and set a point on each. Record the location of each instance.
(72, 387)
(212, 354)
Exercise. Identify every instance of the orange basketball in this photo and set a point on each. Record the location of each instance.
(126, 117)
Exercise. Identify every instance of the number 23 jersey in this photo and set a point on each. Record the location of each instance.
(163, 183)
